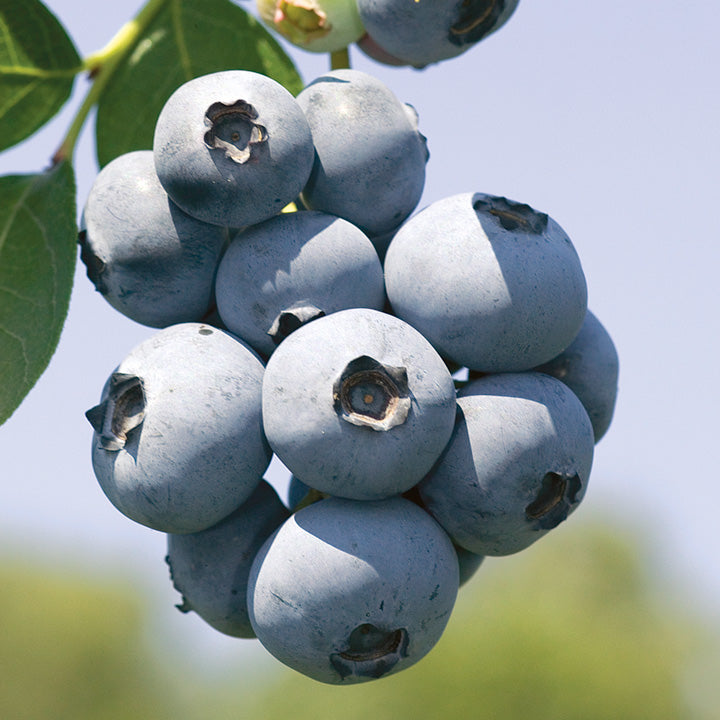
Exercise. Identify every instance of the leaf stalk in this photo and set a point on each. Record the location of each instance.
(100, 67)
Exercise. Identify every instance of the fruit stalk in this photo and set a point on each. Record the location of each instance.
(340, 59)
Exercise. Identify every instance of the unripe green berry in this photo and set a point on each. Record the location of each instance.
(314, 25)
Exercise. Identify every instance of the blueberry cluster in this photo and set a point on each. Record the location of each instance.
(433, 381)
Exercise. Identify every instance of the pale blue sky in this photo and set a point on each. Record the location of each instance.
(605, 117)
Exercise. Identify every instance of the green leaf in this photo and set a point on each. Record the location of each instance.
(38, 248)
(38, 63)
(185, 40)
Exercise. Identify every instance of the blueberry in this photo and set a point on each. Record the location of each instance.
(517, 465)
(150, 260)
(358, 404)
(300, 494)
(370, 48)
(210, 568)
(291, 269)
(589, 366)
(421, 33)
(468, 563)
(314, 25)
(382, 242)
(232, 148)
(178, 442)
(348, 591)
(297, 491)
(370, 158)
(493, 284)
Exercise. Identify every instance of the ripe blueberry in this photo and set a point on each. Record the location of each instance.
(210, 568)
(517, 465)
(232, 148)
(293, 268)
(178, 442)
(493, 284)
(421, 33)
(151, 261)
(370, 158)
(358, 404)
(348, 591)
(589, 366)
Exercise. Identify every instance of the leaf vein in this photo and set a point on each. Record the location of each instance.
(18, 97)
(13, 214)
(53, 257)
(38, 72)
(8, 39)
(20, 296)
(176, 10)
(23, 350)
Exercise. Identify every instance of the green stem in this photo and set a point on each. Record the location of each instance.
(101, 66)
(340, 59)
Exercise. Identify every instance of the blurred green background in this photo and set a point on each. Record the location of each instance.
(581, 625)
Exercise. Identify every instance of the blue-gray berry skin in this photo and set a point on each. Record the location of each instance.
(210, 568)
(232, 148)
(178, 442)
(382, 242)
(348, 591)
(369, 47)
(495, 285)
(300, 494)
(421, 33)
(358, 404)
(151, 261)
(468, 562)
(297, 492)
(370, 158)
(517, 465)
(589, 366)
(292, 269)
